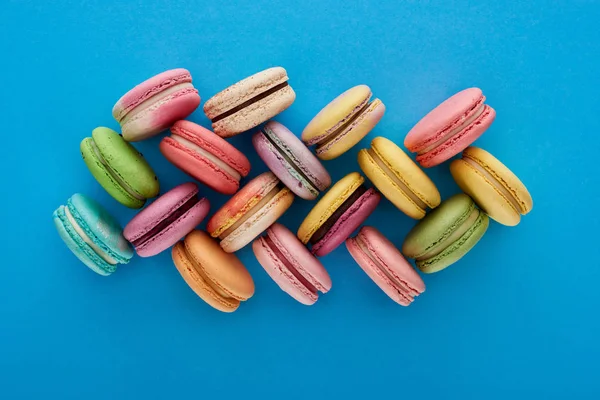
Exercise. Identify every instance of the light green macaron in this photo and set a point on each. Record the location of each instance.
(446, 234)
(119, 168)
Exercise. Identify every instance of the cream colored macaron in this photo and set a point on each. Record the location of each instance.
(494, 187)
(399, 179)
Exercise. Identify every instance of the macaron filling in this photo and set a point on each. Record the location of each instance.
(396, 179)
(402, 287)
(101, 253)
(250, 101)
(495, 182)
(465, 121)
(293, 163)
(113, 173)
(164, 223)
(446, 241)
(173, 91)
(253, 210)
(289, 265)
(330, 222)
(207, 155)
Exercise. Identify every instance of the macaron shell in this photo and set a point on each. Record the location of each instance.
(330, 202)
(352, 134)
(259, 222)
(347, 223)
(341, 109)
(458, 249)
(405, 170)
(458, 142)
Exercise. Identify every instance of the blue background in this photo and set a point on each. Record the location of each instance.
(516, 318)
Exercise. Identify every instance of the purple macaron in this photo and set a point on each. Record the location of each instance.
(291, 161)
(166, 220)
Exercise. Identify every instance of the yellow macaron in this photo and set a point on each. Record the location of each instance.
(494, 187)
(398, 177)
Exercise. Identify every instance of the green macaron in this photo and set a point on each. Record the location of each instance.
(446, 234)
(119, 168)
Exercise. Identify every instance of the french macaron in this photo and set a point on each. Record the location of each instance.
(446, 234)
(155, 104)
(343, 122)
(119, 168)
(450, 128)
(494, 187)
(289, 263)
(217, 277)
(250, 211)
(385, 265)
(338, 213)
(398, 178)
(291, 161)
(250, 102)
(92, 234)
(205, 156)
(166, 220)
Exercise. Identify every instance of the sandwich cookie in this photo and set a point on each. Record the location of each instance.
(250, 102)
(291, 161)
(450, 128)
(205, 156)
(343, 122)
(250, 211)
(119, 168)
(339, 213)
(155, 104)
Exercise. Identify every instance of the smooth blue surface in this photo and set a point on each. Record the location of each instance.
(517, 318)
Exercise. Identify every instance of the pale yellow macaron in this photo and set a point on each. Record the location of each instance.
(398, 177)
(494, 187)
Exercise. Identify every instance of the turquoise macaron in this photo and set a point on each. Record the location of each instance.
(92, 234)
(119, 168)
(446, 234)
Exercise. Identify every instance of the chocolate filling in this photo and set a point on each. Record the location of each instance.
(185, 207)
(322, 231)
(289, 265)
(248, 102)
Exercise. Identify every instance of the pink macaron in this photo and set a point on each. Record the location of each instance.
(385, 265)
(450, 128)
(205, 156)
(289, 263)
(166, 220)
(291, 161)
(155, 104)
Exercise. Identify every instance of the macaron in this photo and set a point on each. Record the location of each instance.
(92, 234)
(291, 161)
(446, 234)
(343, 122)
(398, 178)
(339, 213)
(450, 128)
(250, 102)
(205, 156)
(155, 104)
(494, 187)
(289, 263)
(119, 168)
(385, 265)
(250, 211)
(217, 277)
(166, 220)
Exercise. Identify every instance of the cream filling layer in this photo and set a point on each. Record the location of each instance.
(214, 159)
(397, 180)
(497, 184)
(113, 174)
(87, 239)
(454, 131)
(264, 201)
(154, 99)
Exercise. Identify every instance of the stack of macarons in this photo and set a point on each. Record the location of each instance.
(445, 232)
